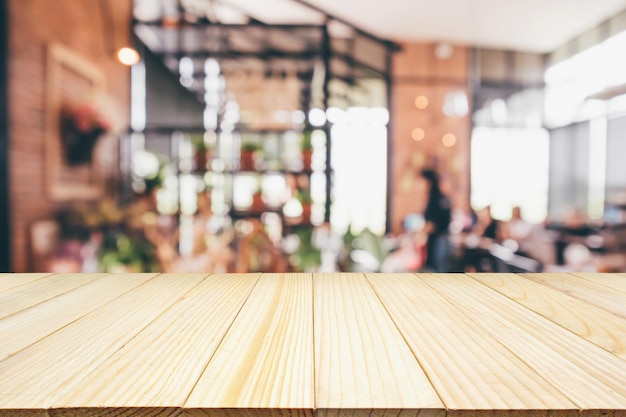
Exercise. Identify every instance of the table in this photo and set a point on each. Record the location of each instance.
(298, 345)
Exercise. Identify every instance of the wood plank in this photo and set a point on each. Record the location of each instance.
(614, 281)
(116, 412)
(469, 369)
(594, 324)
(160, 366)
(266, 358)
(583, 289)
(34, 376)
(587, 374)
(362, 362)
(40, 290)
(62, 310)
(249, 412)
(9, 281)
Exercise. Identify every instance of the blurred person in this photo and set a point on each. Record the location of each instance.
(482, 235)
(517, 230)
(486, 226)
(408, 251)
(437, 217)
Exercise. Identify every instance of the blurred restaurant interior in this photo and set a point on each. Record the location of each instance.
(312, 135)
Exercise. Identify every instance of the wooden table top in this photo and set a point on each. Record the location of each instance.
(345, 345)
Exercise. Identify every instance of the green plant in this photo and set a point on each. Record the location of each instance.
(304, 196)
(119, 248)
(306, 144)
(155, 182)
(251, 147)
(307, 257)
(199, 144)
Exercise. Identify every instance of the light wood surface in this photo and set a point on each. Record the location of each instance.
(577, 367)
(586, 320)
(8, 281)
(266, 358)
(600, 295)
(613, 281)
(361, 360)
(485, 375)
(46, 318)
(304, 345)
(39, 291)
(162, 363)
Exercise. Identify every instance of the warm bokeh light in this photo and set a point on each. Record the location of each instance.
(421, 102)
(128, 56)
(448, 140)
(418, 134)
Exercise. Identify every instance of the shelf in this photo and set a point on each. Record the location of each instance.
(240, 214)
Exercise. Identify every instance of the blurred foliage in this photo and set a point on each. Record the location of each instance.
(123, 252)
(304, 196)
(307, 257)
(306, 144)
(123, 243)
(366, 241)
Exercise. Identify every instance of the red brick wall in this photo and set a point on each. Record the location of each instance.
(80, 26)
(418, 72)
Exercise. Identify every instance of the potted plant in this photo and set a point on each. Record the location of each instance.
(304, 197)
(307, 150)
(249, 154)
(258, 205)
(201, 154)
(81, 127)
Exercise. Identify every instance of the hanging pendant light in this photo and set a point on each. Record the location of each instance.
(125, 55)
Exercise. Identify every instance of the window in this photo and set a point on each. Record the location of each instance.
(509, 167)
(359, 162)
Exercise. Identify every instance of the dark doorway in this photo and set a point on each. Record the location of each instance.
(5, 226)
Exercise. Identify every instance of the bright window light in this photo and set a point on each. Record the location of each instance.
(572, 81)
(317, 117)
(359, 160)
(500, 177)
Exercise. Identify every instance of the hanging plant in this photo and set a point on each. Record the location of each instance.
(81, 127)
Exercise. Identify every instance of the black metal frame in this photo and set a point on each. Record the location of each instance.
(5, 224)
(316, 49)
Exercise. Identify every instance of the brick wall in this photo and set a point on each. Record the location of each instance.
(419, 72)
(80, 26)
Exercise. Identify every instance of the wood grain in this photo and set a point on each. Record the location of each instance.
(303, 345)
(247, 412)
(591, 292)
(55, 313)
(9, 281)
(161, 364)
(577, 367)
(266, 359)
(115, 412)
(614, 281)
(588, 321)
(477, 374)
(362, 362)
(39, 290)
(45, 370)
